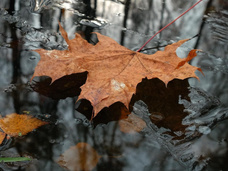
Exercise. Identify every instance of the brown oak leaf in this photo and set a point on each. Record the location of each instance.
(113, 70)
(81, 157)
(19, 124)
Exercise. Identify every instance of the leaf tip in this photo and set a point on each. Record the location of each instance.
(199, 69)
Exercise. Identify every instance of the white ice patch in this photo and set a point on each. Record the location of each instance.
(117, 86)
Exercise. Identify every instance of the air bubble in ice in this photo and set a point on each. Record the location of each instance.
(197, 121)
(47, 116)
(39, 5)
(178, 133)
(124, 29)
(3, 12)
(86, 122)
(59, 121)
(32, 57)
(77, 120)
(78, 13)
(10, 88)
(52, 141)
(186, 157)
(156, 116)
(204, 130)
(97, 23)
(191, 128)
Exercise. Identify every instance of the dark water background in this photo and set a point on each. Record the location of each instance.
(188, 130)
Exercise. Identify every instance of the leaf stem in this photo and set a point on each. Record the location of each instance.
(169, 24)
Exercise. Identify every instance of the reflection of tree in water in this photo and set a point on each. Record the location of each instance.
(15, 59)
(91, 12)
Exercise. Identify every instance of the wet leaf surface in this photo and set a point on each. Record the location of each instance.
(110, 67)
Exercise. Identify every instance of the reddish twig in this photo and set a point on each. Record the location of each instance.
(169, 24)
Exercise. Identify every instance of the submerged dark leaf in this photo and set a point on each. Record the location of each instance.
(163, 104)
(67, 86)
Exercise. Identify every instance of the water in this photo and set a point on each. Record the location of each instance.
(179, 127)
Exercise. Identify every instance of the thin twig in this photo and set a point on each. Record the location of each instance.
(169, 24)
(156, 47)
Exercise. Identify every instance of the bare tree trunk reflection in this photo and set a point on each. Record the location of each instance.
(150, 16)
(209, 3)
(161, 20)
(15, 58)
(162, 16)
(91, 13)
(95, 5)
(126, 11)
